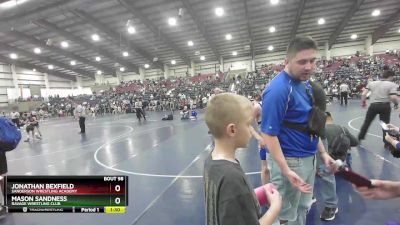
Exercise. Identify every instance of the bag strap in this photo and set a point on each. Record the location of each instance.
(308, 91)
(344, 132)
(296, 126)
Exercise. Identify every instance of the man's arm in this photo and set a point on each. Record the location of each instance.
(393, 95)
(275, 151)
(255, 134)
(381, 189)
(364, 95)
(326, 158)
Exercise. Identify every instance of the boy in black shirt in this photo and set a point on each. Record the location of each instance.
(229, 196)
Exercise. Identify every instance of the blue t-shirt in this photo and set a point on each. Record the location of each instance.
(286, 99)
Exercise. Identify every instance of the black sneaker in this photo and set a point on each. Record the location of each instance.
(329, 213)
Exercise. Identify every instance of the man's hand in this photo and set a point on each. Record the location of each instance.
(364, 104)
(389, 139)
(393, 127)
(381, 189)
(262, 143)
(298, 182)
(329, 162)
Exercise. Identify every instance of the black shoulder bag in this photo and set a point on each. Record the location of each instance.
(316, 120)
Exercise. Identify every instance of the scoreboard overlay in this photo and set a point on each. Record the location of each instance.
(66, 194)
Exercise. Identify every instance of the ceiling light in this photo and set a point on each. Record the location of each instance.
(274, 2)
(13, 56)
(190, 43)
(272, 29)
(125, 54)
(146, 66)
(99, 72)
(376, 12)
(64, 44)
(354, 36)
(12, 3)
(131, 30)
(95, 37)
(228, 37)
(173, 62)
(51, 67)
(34, 70)
(219, 11)
(270, 48)
(399, 30)
(234, 53)
(122, 69)
(202, 58)
(321, 21)
(37, 50)
(172, 21)
(98, 58)
(73, 63)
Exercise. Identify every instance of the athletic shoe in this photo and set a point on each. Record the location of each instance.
(329, 213)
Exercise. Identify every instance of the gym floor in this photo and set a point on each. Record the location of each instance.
(164, 162)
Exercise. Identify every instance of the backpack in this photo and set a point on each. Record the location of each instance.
(10, 135)
(339, 146)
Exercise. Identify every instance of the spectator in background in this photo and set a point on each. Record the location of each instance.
(80, 112)
(382, 93)
(15, 118)
(344, 93)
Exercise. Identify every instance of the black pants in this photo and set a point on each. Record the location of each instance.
(82, 124)
(383, 109)
(140, 114)
(343, 95)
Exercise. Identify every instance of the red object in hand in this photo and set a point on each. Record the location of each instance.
(261, 195)
(364, 104)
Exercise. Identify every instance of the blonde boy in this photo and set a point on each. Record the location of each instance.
(229, 196)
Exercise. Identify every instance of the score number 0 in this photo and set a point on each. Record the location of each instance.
(117, 188)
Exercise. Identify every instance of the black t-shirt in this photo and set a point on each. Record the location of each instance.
(229, 196)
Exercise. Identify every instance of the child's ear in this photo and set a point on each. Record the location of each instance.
(231, 129)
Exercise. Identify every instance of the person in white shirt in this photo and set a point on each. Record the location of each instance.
(15, 118)
(80, 112)
(139, 110)
(344, 93)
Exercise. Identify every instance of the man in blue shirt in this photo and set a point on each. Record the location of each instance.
(292, 152)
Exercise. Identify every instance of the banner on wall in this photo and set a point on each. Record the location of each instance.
(35, 90)
(15, 93)
(45, 93)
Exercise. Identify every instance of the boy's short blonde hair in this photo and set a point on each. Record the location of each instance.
(226, 108)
